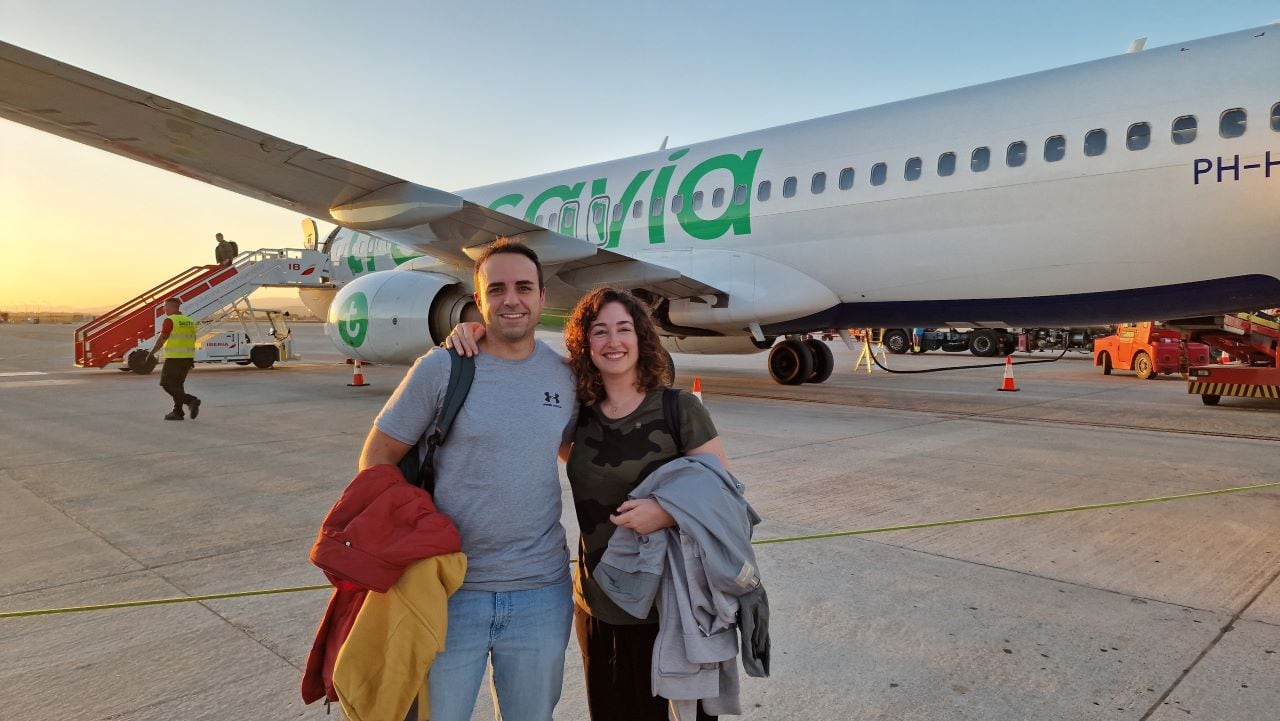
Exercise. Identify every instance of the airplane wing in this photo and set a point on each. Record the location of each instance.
(64, 100)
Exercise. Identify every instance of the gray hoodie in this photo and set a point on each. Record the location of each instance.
(701, 573)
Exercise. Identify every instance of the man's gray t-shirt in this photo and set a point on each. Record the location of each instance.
(496, 473)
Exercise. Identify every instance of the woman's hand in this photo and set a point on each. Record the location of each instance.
(465, 338)
(642, 515)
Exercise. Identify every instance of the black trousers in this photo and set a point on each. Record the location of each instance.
(173, 377)
(616, 661)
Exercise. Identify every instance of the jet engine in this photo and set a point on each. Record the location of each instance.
(394, 316)
(716, 345)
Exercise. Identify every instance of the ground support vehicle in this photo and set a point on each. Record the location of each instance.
(209, 294)
(987, 342)
(262, 339)
(1251, 340)
(1148, 350)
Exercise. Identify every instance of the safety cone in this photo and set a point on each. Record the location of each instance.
(1225, 358)
(1008, 384)
(357, 376)
(697, 388)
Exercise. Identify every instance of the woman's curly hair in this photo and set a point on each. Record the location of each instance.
(652, 367)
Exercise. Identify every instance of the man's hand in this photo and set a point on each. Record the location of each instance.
(642, 515)
(465, 338)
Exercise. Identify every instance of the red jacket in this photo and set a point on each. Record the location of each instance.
(380, 525)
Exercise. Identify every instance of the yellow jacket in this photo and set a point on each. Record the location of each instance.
(383, 664)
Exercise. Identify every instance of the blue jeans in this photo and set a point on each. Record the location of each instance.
(523, 633)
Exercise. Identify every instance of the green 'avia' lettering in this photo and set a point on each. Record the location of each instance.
(735, 217)
(353, 320)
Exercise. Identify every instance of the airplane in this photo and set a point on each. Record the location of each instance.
(1140, 186)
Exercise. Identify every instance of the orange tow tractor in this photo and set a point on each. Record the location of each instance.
(1146, 350)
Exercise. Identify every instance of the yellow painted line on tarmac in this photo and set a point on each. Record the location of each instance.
(761, 542)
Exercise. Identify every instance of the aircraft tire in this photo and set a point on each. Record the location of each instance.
(897, 341)
(1143, 366)
(141, 362)
(263, 356)
(823, 361)
(791, 363)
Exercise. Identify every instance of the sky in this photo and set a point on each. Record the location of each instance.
(461, 94)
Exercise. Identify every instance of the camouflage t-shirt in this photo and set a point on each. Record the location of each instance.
(609, 458)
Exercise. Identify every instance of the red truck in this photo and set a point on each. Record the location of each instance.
(1146, 350)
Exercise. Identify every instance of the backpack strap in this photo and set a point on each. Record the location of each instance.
(671, 414)
(462, 371)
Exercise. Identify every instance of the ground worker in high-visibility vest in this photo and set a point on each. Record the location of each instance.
(178, 338)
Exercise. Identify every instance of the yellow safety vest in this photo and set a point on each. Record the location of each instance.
(182, 340)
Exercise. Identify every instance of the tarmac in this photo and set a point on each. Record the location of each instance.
(1164, 611)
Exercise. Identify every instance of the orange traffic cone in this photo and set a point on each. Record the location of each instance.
(357, 376)
(1008, 384)
(697, 388)
(1225, 358)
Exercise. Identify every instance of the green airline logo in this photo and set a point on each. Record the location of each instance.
(353, 320)
(605, 228)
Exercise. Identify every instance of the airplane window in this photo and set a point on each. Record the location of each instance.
(1095, 142)
(717, 197)
(1232, 122)
(1016, 154)
(1138, 137)
(740, 194)
(538, 220)
(677, 203)
(879, 173)
(597, 214)
(1184, 130)
(1055, 149)
(655, 208)
(762, 192)
(789, 187)
(818, 184)
(981, 159)
(946, 164)
(617, 212)
(912, 171)
(551, 222)
(697, 199)
(846, 175)
(1275, 117)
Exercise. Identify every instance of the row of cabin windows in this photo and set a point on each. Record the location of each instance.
(1231, 124)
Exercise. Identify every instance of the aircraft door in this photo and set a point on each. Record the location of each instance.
(569, 219)
(598, 220)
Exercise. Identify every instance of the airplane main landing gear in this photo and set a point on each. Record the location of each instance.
(797, 360)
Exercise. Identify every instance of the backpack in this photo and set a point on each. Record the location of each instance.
(671, 414)
(418, 465)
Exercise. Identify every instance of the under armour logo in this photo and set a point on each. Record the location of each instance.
(551, 399)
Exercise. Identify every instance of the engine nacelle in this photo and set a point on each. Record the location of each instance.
(394, 316)
(714, 345)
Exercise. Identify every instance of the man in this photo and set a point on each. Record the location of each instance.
(178, 338)
(226, 250)
(496, 476)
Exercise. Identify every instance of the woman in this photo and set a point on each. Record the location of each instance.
(621, 437)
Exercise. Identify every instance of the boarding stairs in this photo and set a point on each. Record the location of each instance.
(206, 291)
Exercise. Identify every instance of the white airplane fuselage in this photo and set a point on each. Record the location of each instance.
(1168, 230)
